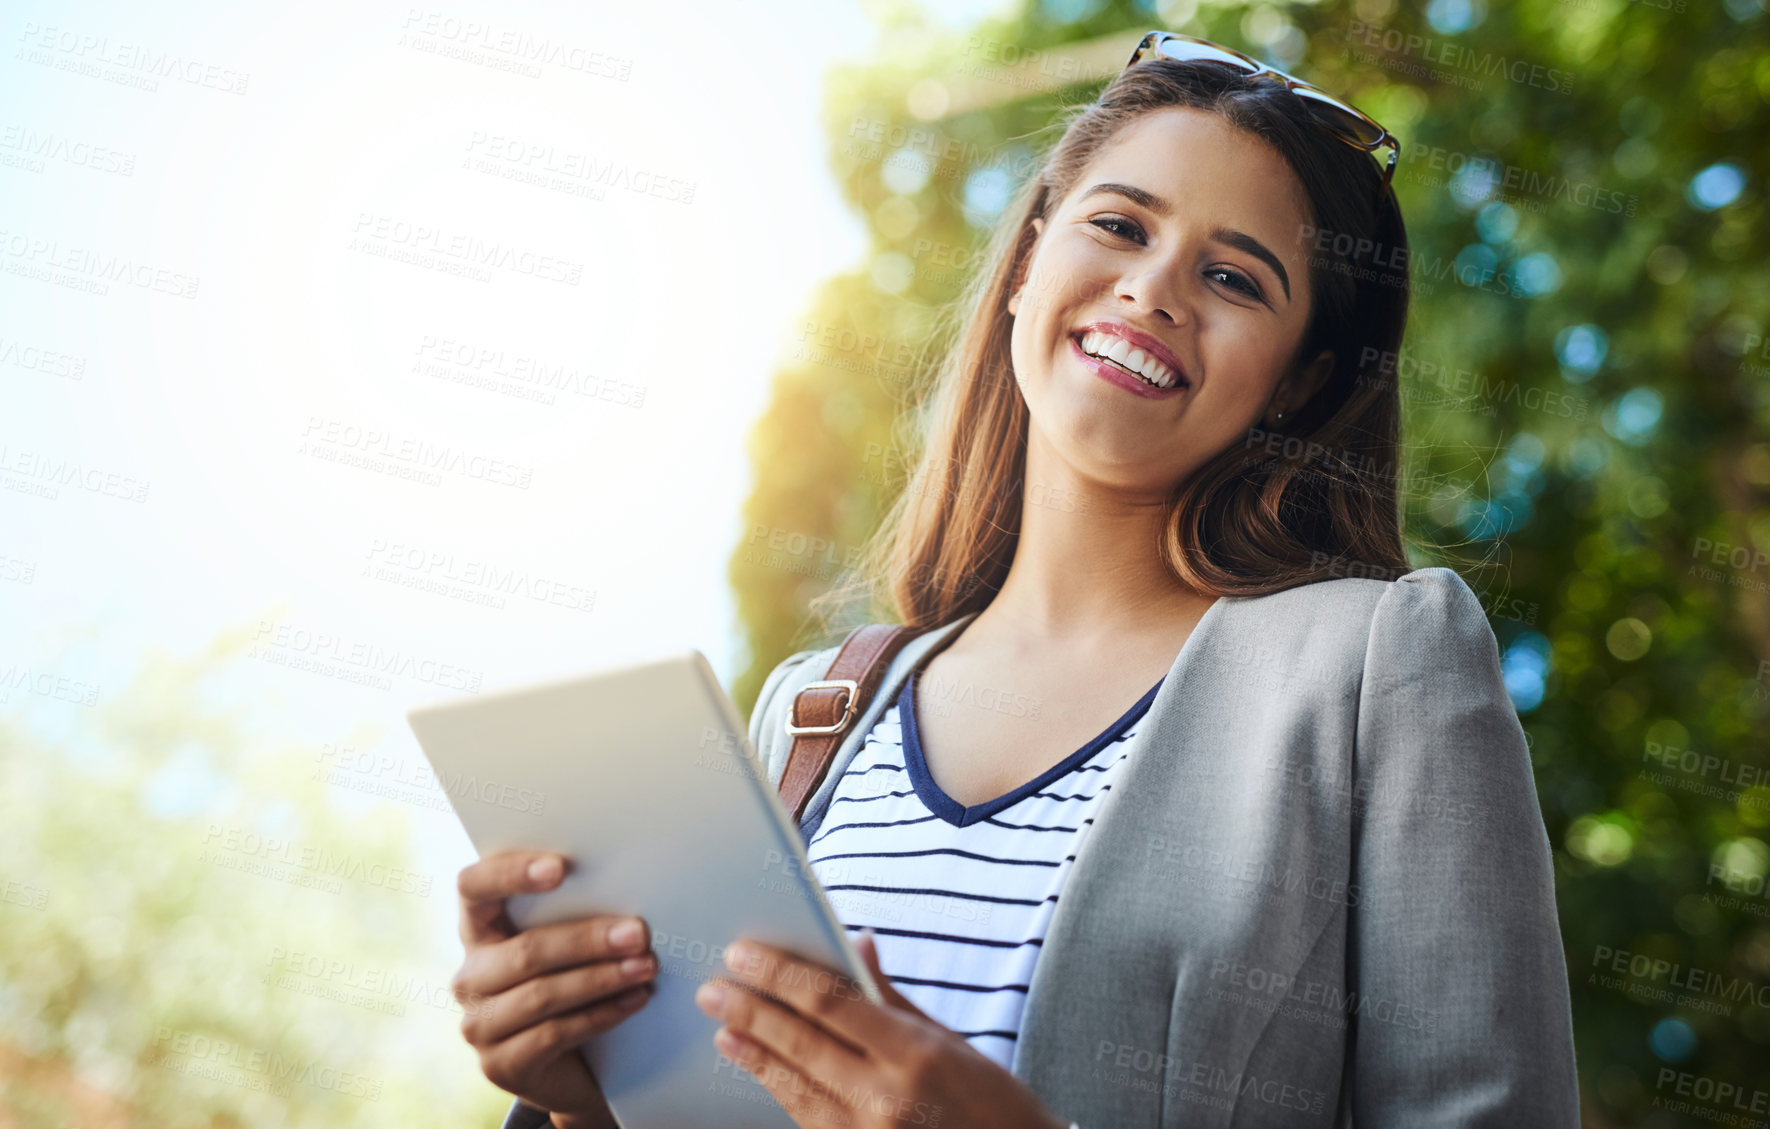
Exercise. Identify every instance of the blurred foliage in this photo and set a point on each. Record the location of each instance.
(1586, 382)
(201, 930)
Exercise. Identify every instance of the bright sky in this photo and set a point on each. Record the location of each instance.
(331, 322)
(245, 414)
(302, 155)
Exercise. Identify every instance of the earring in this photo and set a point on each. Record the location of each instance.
(1279, 418)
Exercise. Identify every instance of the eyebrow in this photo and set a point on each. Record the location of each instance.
(1240, 240)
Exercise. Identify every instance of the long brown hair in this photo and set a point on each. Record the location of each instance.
(1313, 499)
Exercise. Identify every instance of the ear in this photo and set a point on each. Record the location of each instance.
(1299, 387)
(1038, 226)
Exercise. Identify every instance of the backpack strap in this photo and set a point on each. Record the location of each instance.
(823, 710)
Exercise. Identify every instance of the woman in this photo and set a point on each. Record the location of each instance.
(1189, 804)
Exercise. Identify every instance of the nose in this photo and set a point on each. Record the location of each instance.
(1154, 292)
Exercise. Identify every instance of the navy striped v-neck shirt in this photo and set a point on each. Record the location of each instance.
(959, 897)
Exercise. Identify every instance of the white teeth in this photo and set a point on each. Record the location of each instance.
(1117, 349)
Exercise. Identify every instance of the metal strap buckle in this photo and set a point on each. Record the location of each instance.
(847, 684)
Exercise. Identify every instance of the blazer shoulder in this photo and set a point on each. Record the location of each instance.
(1384, 626)
(1429, 635)
(1431, 614)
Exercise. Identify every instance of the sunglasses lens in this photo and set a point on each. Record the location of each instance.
(1186, 51)
(1340, 117)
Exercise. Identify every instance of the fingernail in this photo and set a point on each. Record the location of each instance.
(628, 934)
(635, 966)
(544, 870)
(711, 997)
(739, 955)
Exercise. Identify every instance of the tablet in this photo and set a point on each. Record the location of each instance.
(644, 777)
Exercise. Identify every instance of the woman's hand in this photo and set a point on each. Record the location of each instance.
(532, 997)
(830, 1056)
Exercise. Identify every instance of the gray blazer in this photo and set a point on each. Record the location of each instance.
(1320, 895)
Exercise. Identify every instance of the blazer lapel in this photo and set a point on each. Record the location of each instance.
(1105, 1051)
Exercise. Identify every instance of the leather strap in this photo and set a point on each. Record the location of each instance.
(863, 659)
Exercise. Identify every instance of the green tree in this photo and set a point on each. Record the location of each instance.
(198, 933)
(1586, 383)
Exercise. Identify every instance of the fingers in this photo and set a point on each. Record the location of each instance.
(830, 999)
(494, 968)
(548, 996)
(804, 1101)
(514, 1062)
(782, 1031)
(486, 884)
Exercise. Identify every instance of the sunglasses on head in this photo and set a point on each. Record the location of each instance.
(1346, 121)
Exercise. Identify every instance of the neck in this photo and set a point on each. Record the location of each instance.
(1087, 567)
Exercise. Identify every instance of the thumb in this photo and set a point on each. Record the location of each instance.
(869, 954)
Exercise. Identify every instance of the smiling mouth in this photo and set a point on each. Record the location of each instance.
(1127, 358)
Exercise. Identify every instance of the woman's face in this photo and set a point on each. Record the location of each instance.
(1182, 235)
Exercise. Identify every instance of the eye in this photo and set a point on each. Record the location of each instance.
(1246, 286)
(1128, 229)
(1109, 223)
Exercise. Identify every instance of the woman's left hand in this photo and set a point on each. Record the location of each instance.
(830, 1056)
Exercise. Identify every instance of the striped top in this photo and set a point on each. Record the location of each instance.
(959, 897)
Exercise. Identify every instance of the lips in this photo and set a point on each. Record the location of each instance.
(1137, 339)
(1113, 374)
